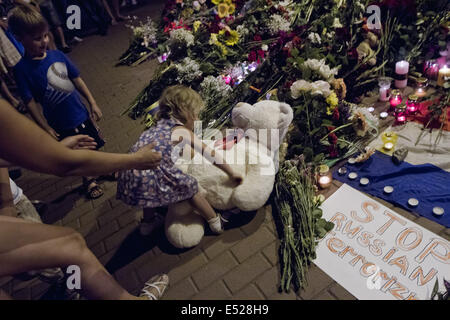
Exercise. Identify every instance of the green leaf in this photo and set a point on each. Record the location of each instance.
(435, 289)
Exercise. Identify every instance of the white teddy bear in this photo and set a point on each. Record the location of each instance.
(255, 157)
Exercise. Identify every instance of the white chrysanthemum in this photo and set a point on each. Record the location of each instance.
(315, 88)
(321, 68)
(188, 70)
(298, 87)
(278, 23)
(243, 32)
(182, 35)
(213, 89)
(337, 23)
(314, 38)
(147, 31)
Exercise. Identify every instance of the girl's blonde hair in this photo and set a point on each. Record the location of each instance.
(179, 102)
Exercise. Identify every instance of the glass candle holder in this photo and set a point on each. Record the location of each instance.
(385, 85)
(400, 114)
(324, 177)
(412, 104)
(431, 69)
(401, 74)
(389, 136)
(421, 87)
(444, 73)
(396, 98)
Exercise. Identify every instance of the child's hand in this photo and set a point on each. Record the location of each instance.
(53, 133)
(96, 113)
(80, 141)
(237, 178)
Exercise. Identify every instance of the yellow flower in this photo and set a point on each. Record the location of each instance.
(333, 100)
(213, 38)
(231, 37)
(228, 2)
(216, 2)
(222, 10)
(223, 48)
(231, 8)
(196, 25)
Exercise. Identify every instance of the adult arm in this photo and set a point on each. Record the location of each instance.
(6, 197)
(23, 143)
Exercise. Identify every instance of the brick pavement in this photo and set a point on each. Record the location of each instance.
(241, 264)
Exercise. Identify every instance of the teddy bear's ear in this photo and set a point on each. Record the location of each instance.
(286, 114)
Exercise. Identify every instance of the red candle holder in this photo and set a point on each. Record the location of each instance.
(396, 98)
(400, 114)
(412, 105)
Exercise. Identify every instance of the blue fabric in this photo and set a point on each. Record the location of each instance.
(427, 183)
(16, 43)
(48, 81)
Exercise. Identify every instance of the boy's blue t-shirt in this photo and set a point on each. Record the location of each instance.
(48, 81)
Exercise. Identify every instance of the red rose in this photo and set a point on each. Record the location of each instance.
(257, 37)
(336, 114)
(333, 151)
(332, 138)
(252, 56)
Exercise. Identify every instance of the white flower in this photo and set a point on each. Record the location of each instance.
(188, 70)
(337, 23)
(278, 23)
(320, 87)
(298, 87)
(147, 31)
(196, 5)
(314, 38)
(264, 47)
(182, 35)
(316, 88)
(202, 1)
(243, 32)
(321, 68)
(213, 89)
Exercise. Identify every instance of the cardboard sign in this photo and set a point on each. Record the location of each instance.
(376, 254)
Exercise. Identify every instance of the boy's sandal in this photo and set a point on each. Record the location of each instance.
(160, 282)
(93, 190)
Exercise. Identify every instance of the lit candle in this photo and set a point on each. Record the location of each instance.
(385, 84)
(400, 114)
(396, 98)
(444, 74)
(384, 115)
(412, 105)
(421, 87)
(401, 74)
(388, 146)
(325, 177)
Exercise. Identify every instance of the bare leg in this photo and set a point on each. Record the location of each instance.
(4, 295)
(62, 39)
(30, 246)
(108, 9)
(202, 206)
(116, 7)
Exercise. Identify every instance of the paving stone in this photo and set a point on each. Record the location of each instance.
(112, 214)
(255, 224)
(101, 234)
(250, 292)
(243, 274)
(253, 243)
(214, 270)
(189, 263)
(182, 290)
(224, 242)
(216, 291)
(430, 225)
(127, 278)
(161, 264)
(271, 252)
(324, 295)
(317, 281)
(340, 293)
(114, 240)
(269, 281)
(283, 296)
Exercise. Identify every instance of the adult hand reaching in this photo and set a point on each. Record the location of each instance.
(147, 157)
(80, 141)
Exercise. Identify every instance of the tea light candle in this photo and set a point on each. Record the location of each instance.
(396, 98)
(383, 115)
(412, 105)
(443, 74)
(371, 109)
(324, 181)
(364, 181)
(388, 189)
(401, 74)
(352, 175)
(413, 202)
(325, 177)
(388, 146)
(438, 211)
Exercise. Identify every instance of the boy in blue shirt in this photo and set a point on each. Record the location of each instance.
(52, 80)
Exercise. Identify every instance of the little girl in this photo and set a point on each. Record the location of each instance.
(155, 189)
